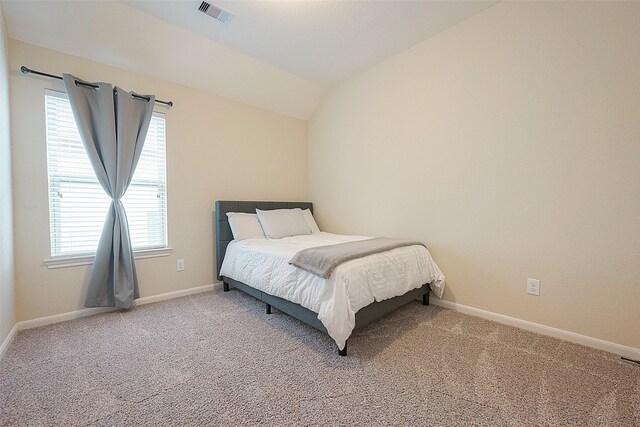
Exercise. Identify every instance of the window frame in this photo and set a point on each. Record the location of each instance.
(86, 258)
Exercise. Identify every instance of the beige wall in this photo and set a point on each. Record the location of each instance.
(217, 149)
(511, 145)
(7, 303)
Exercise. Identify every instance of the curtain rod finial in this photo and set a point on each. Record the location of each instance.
(24, 70)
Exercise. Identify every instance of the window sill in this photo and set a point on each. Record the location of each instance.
(74, 261)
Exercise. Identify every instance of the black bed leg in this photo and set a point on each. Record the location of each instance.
(268, 308)
(343, 352)
(225, 286)
(425, 299)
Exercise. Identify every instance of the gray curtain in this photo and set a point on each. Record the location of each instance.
(113, 126)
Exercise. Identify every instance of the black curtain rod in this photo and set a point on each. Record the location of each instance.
(26, 70)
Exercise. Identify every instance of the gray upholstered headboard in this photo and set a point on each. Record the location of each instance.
(223, 230)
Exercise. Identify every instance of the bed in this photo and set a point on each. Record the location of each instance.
(246, 265)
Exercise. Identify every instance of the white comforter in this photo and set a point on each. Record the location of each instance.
(264, 265)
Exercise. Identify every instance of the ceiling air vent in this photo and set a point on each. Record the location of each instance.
(216, 12)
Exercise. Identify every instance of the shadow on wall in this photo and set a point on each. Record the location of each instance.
(213, 245)
(445, 257)
(85, 285)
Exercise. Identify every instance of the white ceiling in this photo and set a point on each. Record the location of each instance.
(279, 55)
(325, 42)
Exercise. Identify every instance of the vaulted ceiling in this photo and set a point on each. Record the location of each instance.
(279, 55)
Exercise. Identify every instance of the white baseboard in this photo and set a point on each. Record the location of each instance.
(178, 294)
(619, 349)
(84, 312)
(62, 317)
(622, 350)
(8, 340)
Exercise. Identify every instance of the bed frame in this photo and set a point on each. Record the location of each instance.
(224, 236)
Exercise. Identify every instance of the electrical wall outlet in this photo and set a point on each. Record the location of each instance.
(533, 287)
(180, 265)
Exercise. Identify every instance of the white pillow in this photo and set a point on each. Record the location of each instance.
(245, 226)
(308, 217)
(279, 223)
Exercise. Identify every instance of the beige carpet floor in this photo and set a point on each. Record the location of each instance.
(217, 359)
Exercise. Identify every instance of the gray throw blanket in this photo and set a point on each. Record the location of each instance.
(322, 260)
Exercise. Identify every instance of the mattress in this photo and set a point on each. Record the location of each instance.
(264, 264)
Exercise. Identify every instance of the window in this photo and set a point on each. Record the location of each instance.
(78, 204)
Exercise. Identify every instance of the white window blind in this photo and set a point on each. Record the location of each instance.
(77, 202)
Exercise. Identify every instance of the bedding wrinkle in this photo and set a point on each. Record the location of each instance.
(264, 265)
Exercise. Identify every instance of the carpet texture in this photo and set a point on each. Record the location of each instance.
(217, 359)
